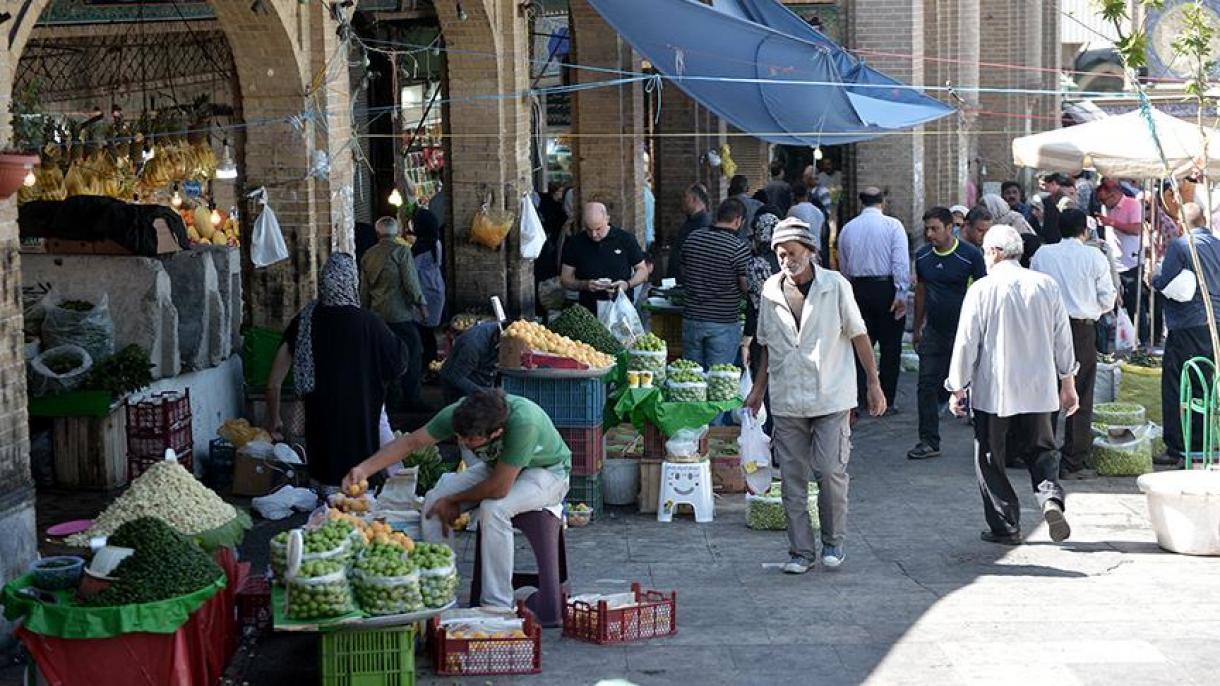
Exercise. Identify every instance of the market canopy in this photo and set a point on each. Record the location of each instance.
(1120, 146)
(767, 72)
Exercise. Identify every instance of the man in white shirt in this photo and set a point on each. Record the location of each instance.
(810, 329)
(1083, 275)
(875, 256)
(1013, 348)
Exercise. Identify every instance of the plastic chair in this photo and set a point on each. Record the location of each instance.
(690, 483)
(544, 531)
(1198, 395)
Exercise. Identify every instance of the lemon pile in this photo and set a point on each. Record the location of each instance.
(538, 337)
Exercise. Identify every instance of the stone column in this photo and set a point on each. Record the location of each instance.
(951, 45)
(685, 134)
(608, 121)
(1008, 115)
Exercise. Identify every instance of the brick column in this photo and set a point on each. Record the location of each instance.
(487, 147)
(951, 44)
(894, 163)
(686, 133)
(609, 121)
(1011, 114)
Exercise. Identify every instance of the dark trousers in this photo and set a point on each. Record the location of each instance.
(408, 385)
(875, 296)
(1133, 296)
(1180, 346)
(935, 350)
(1000, 505)
(1078, 429)
(427, 337)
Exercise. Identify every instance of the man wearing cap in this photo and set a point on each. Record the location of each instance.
(1013, 353)
(874, 255)
(809, 329)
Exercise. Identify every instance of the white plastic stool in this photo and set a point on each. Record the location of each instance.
(683, 482)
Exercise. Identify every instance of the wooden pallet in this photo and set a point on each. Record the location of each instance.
(91, 452)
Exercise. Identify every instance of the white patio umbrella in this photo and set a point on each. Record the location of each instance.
(1120, 146)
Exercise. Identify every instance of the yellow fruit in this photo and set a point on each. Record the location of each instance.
(219, 239)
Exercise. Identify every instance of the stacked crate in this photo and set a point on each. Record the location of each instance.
(155, 424)
(576, 407)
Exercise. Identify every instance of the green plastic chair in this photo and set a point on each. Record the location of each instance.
(1198, 395)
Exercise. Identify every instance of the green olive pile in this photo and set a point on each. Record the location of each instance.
(579, 324)
(319, 590)
(723, 382)
(686, 386)
(279, 554)
(648, 355)
(438, 575)
(385, 582)
(165, 564)
(335, 535)
(684, 365)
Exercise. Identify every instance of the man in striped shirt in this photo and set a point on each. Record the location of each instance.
(714, 263)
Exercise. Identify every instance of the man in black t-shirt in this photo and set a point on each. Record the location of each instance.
(602, 260)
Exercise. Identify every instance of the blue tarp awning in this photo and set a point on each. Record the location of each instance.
(766, 71)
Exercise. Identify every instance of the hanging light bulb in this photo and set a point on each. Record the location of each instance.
(227, 169)
(395, 198)
(817, 152)
(30, 180)
(176, 199)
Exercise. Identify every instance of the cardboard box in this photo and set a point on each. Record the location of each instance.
(254, 476)
(727, 476)
(166, 244)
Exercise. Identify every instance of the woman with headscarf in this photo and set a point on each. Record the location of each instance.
(1001, 213)
(760, 268)
(341, 357)
(424, 234)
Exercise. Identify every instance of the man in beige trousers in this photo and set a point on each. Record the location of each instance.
(809, 327)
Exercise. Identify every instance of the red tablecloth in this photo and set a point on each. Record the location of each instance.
(194, 655)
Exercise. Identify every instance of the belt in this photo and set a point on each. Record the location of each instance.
(1088, 322)
(873, 279)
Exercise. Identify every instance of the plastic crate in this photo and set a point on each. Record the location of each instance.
(488, 656)
(654, 615)
(668, 327)
(179, 440)
(218, 470)
(570, 403)
(159, 414)
(588, 448)
(136, 465)
(376, 657)
(654, 443)
(254, 605)
(587, 490)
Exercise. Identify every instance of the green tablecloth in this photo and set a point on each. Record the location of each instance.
(64, 620)
(645, 405)
(228, 535)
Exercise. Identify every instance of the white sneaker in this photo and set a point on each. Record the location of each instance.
(797, 565)
(833, 556)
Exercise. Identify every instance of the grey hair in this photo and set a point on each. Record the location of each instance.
(387, 226)
(1006, 239)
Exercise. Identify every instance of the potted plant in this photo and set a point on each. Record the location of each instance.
(19, 161)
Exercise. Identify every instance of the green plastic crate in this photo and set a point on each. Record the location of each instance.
(378, 657)
(587, 490)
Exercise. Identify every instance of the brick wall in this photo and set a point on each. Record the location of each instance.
(951, 47)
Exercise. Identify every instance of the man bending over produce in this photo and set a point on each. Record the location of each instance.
(518, 463)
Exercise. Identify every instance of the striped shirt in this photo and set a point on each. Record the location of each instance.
(712, 260)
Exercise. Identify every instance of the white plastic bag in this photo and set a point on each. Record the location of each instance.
(533, 237)
(1124, 332)
(282, 502)
(267, 246)
(755, 454)
(683, 446)
(43, 380)
(1182, 287)
(91, 329)
(747, 385)
(622, 320)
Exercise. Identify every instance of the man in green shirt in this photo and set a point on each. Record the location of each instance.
(517, 463)
(389, 286)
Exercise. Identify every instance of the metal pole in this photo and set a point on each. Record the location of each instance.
(1139, 273)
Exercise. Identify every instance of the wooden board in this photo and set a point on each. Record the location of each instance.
(91, 452)
(650, 485)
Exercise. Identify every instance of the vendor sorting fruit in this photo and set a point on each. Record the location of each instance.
(518, 463)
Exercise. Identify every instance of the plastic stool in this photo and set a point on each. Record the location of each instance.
(544, 531)
(689, 483)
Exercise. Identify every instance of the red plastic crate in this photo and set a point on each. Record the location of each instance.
(136, 465)
(254, 605)
(159, 414)
(488, 656)
(654, 443)
(656, 615)
(588, 448)
(179, 440)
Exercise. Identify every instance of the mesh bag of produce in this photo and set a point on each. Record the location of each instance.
(81, 323)
(766, 512)
(387, 595)
(722, 383)
(318, 590)
(685, 391)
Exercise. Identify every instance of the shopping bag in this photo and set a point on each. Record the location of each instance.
(533, 236)
(622, 319)
(745, 386)
(490, 226)
(1124, 332)
(267, 246)
(755, 454)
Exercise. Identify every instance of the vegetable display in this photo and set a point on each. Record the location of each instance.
(723, 382)
(168, 491)
(538, 337)
(431, 468)
(649, 354)
(579, 324)
(438, 575)
(128, 371)
(165, 564)
(686, 386)
(1119, 414)
(385, 581)
(684, 365)
(318, 590)
(766, 511)
(1125, 458)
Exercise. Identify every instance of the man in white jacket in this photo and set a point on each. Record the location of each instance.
(809, 327)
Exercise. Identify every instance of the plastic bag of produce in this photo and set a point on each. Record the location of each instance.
(80, 323)
(438, 586)
(685, 391)
(490, 226)
(766, 511)
(683, 446)
(1123, 457)
(58, 370)
(319, 589)
(650, 359)
(683, 366)
(1119, 414)
(1124, 332)
(622, 320)
(723, 382)
(385, 582)
(755, 454)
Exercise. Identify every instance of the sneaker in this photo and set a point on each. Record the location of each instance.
(1013, 538)
(1081, 474)
(1052, 512)
(797, 565)
(922, 451)
(832, 556)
